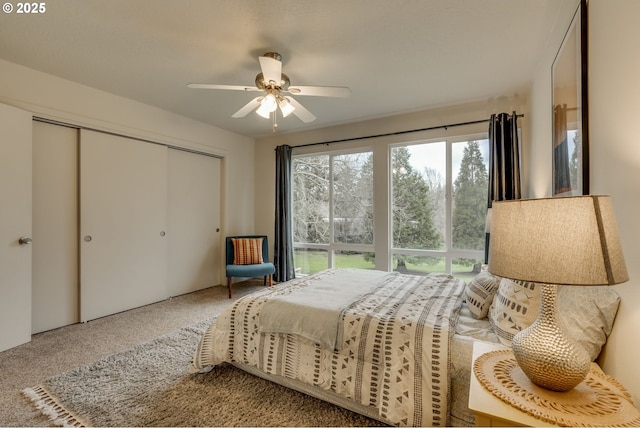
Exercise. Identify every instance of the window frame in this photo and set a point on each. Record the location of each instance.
(449, 253)
(381, 148)
(333, 246)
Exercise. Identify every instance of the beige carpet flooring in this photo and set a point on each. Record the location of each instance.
(60, 350)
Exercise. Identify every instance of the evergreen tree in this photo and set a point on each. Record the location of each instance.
(413, 209)
(470, 198)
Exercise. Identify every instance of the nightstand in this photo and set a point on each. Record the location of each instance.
(490, 411)
(598, 400)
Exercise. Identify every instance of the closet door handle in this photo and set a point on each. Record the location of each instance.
(24, 240)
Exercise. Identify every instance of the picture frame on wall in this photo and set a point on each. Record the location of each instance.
(570, 139)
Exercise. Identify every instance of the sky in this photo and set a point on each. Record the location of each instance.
(433, 155)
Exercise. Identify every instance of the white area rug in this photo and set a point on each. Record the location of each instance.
(150, 385)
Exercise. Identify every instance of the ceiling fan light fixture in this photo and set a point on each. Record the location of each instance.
(269, 103)
(285, 106)
(262, 111)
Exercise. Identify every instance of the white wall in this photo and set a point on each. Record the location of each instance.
(54, 98)
(614, 104)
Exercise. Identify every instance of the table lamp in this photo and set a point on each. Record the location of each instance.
(555, 241)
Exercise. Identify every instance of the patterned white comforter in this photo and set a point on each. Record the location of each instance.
(393, 354)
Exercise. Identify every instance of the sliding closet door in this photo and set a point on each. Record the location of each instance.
(194, 222)
(123, 223)
(55, 227)
(15, 223)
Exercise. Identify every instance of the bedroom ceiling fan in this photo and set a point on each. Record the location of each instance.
(275, 84)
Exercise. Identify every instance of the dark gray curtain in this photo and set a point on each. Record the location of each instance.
(504, 164)
(283, 245)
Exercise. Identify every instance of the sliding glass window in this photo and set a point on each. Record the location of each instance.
(439, 204)
(434, 220)
(333, 211)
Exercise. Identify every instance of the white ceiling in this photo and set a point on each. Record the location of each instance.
(395, 56)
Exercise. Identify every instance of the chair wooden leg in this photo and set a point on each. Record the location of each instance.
(270, 280)
(229, 285)
(264, 280)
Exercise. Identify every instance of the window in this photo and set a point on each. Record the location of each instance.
(333, 211)
(439, 204)
(430, 217)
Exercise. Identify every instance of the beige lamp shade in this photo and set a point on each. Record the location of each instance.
(555, 241)
(562, 241)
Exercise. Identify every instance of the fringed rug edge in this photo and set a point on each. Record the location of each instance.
(49, 406)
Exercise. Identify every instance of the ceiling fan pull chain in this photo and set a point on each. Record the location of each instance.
(275, 123)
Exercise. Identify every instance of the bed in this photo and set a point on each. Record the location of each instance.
(394, 347)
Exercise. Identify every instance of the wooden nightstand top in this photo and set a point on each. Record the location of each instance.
(598, 400)
(489, 409)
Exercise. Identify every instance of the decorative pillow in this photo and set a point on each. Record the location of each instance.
(479, 293)
(247, 251)
(514, 308)
(587, 314)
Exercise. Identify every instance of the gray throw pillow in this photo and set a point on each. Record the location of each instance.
(479, 293)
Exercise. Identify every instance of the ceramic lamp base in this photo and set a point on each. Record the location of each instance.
(545, 354)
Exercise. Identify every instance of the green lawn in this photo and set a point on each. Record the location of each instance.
(315, 261)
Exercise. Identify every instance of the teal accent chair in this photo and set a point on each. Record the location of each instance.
(266, 269)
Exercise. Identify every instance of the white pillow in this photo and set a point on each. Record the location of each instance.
(479, 293)
(587, 314)
(514, 308)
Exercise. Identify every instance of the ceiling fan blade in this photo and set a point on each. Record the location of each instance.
(305, 115)
(248, 108)
(271, 69)
(227, 87)
(321, 91)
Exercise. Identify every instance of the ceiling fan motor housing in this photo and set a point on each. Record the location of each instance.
(274, 55)
(282, 85)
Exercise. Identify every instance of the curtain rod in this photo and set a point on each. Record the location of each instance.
(452, 125)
